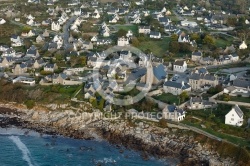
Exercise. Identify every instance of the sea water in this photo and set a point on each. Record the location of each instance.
(17, 148)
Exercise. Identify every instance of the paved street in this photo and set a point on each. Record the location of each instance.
(66, 32)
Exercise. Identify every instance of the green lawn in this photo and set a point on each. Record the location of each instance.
(133, 28)
(224, 41)
(157, 47)
(230, 138)
(167, 98)
(240, 99)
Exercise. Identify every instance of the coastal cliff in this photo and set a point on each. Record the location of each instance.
(188, 147)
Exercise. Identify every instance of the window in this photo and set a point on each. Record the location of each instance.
(232, 119)
(232, 114)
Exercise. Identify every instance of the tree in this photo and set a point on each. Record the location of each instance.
(242, 5)
(174, 47)
(59, 56)
(231, 21)
(26, 29)
(83, 60)
(135, 42)
(74, 60)
(225, 97)
(185, 47)
(209, 40)
(149, 19)
(184, 96)
(195, 37)
(121, 32)
(243, 34)
(93, 101)
(75, 35)
(27, 43)
(174, 37)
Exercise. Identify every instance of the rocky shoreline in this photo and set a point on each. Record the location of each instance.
(182, 145)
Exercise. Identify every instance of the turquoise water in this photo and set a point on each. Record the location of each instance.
(18, 149)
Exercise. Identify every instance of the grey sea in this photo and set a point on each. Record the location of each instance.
(21, 148)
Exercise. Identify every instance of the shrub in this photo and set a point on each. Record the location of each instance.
(163, 123)
(30, 104)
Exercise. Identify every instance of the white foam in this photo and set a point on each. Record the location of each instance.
(21, 146)
(18, 132)
(106, 160)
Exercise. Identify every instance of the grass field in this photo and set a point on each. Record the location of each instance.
(133, 28)
(167, 98)
(240, 99)
(157, 47)
(223, 41)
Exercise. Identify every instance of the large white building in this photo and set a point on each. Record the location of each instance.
(176, 88)
(234, 116)
(180, 66)
(55, 26)
(123, 41)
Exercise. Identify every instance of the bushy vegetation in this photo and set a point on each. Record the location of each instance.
(29, 104)
(29, 95)
(214, 120)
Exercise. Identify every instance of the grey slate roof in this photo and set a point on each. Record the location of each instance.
(49, 65)
(238, 111)
(154, 33)
(159, 72)
(136, 75)
(198, 53)
(176, 85)
(241, 83)
(196, 99)
(196, 76)
(172, 108)
(179, 62)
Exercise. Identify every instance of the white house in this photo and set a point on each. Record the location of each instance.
(144, 29)
(247, 22)
(243, 46)
(183, 38)
(55, 26)
(196, 102)
(163, 10)
(94, 39)
(96, 15)
(234, 116)
(189, 23)
(136, 20)
(123, 41)
(129, 34)
(2, 21)
(180, 66)
(16, 41)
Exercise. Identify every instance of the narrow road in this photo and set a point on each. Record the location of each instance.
(66, 32)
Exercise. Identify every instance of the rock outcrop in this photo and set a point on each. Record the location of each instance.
(142, 136)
